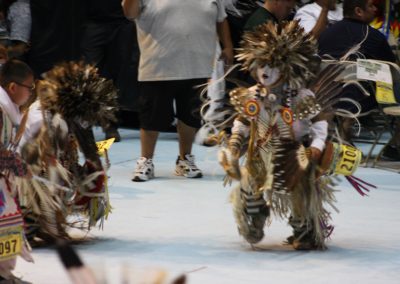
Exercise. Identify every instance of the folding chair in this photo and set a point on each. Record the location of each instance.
(375, 123)
(389, 122)
(393, 114)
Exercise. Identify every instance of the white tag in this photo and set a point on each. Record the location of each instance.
(373, 71)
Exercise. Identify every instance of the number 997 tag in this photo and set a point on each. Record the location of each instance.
(10, 245)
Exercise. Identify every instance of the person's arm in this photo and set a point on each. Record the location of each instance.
(308, 22)
(9, 160)
(225, 38)
(321, 24)
(17, 49)
(319, 133)
(131, 8)
(318, 128)
(229, 157)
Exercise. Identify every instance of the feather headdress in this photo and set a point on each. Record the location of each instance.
(286, 47)
(73, 98)
(81, 94)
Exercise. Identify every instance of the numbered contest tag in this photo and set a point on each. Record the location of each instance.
(104, 145)
(348, 160)
(10, 244)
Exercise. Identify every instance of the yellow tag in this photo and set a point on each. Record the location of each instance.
(104, 145)
(376, 23)
(350, 158)
(384, 93)
(396, 31)
(10, 244)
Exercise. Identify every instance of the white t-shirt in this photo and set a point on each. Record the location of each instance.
(20, 21)
(177, 38)
(309, 14)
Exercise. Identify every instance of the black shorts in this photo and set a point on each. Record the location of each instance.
(157, 103)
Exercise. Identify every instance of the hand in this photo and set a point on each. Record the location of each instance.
(315, 154)
(18, 49)
(227, 56)
(328, 4)
(230, 163)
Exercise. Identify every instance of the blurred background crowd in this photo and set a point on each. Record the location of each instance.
(46, 32)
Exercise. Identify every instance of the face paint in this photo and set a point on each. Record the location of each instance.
(268, 76)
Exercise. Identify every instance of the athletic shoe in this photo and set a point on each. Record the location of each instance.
(144, 170)
(187, 167)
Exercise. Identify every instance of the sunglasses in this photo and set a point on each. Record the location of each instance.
(31, 88)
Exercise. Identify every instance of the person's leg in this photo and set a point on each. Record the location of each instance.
(95, 50)
(126, 80)
(188, 105)
(144, 165)
(395, 141)
(93, 43)
(117, 52)
(249, 208)
(186, 136)
(112, 132)
(309, 217)
(301, 220)
(392, 150)
(148, 140)
(156, 114)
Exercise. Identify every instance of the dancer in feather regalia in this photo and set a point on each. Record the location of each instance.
(280, 126)
(16, 80)
(71, 100)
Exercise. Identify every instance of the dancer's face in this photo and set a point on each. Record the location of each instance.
(268, 76)
(20, 92)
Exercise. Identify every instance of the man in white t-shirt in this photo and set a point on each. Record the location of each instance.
(19, 26)
(315, 17)
(177, 40)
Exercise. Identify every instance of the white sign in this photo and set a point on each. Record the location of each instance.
(373, 71)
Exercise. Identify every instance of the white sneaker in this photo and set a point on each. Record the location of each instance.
(144, 170)
(187, 167)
